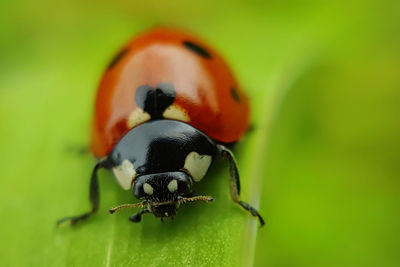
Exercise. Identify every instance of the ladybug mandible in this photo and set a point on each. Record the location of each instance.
(166, 107)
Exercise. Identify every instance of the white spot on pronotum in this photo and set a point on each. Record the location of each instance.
(137, 117)
(125, 174)
(173, 186)
(197, 165)
(148, 189)
(175, 112)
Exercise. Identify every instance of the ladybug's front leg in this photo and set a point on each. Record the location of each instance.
(138, 216)
(235, 183)
(94, 199)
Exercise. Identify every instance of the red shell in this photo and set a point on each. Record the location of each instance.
(205, 88)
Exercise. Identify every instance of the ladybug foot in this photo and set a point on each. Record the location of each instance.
(138, 216)
(135, 218)
(74, 220)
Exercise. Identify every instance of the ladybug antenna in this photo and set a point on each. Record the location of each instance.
(136, 205)
(182, 200)
(196, 198)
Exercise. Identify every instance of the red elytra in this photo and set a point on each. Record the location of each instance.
(206, 90)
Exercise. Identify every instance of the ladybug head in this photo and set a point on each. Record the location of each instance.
(162, 193)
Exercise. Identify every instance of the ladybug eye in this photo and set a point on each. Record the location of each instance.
(183, 187)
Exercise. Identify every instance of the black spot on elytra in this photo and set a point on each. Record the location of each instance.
(197, 49)
(155, 100)
(117, 58)
(235, 94)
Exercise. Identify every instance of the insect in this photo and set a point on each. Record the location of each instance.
(166, 107)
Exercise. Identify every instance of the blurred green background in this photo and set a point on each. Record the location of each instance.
(322, 162)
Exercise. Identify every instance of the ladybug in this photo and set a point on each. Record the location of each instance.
(166, 107)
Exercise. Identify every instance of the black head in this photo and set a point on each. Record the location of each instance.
(162, 191)
(162, 154)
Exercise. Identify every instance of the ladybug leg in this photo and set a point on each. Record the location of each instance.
(235, 183)
(138, 216)
(253, 211)
(94, 199)
(78, 149)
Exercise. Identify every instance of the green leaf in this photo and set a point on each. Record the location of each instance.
(321, 161)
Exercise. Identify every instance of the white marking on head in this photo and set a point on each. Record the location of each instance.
(175, 112)
(197, 165)
(148, 189)
(125, 174)
(137, 117)
(173, 186)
